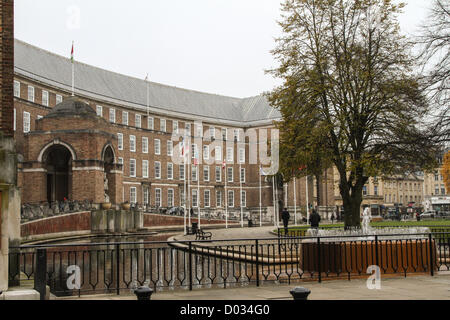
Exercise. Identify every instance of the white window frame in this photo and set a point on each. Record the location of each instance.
(170, 148)
(26, 122)
(194, 171)
(150, 123)
(158, 197)
(133, 168)
(138, 121)
(157, 147)
(144, 145)
(163, 125)
(244, 198)
(236, 135)
(120, 141)
(195, 196)
(133, 195)
(242, 178)
(199, 131)
(16, 89)
(175, 126)
(170, 198)
(207, 198)
(230, 203)
(99, 111)
(212, 132)
(230, 169)
(45, 98)
(59, 99)
(132, 143)
(218, 153)
(241, 155)
(112, 115)
(144, 168)
(169, 171)
(157, 170)
(219, 199)
(125, 118)
(206, 152)
(182, 172)
(206, 170)
(31, 93)
(146, 195)
(120, 160)
(230, 154)
(219, 175)
(224, 132)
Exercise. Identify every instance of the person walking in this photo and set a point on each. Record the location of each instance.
(314, 219)
(332, 218)
(285, 216)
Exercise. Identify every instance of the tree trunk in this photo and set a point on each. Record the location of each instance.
(351, 199)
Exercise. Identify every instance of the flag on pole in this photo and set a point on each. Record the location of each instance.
(196, 158)
(224, 164)
(71, 54)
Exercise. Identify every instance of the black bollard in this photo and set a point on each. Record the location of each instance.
(300, 293)
(143, 293)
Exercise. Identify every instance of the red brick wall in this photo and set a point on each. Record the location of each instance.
(6, 66)
(65, 223)
(154, 220)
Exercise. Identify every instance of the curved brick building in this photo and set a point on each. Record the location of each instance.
(119, 139)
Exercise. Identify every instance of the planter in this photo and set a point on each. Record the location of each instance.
(106, 206)
(126, 206)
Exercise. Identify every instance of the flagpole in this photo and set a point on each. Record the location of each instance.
(274, 205)
(198, 193)
(189, 182)
(240, 187)
(295, 200)
(184, 191)
(73, 72)
(260, 197)
(307, 201)
(226, 195)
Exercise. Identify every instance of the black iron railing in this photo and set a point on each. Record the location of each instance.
(116, 267)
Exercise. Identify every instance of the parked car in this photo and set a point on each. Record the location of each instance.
(428, 214)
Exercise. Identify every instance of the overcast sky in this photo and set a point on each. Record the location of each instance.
(215, 46)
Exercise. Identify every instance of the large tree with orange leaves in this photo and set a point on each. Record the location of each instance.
(446, 170)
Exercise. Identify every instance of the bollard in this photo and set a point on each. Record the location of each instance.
(143, 293)
(300, 293)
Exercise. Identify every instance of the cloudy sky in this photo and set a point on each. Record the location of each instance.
(215, 46)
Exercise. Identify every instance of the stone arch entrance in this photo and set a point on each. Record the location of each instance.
(108, 158)
(57, 161)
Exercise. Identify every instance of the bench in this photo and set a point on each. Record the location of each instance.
(202, 235)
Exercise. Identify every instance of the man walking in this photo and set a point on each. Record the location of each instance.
(314, 219)
(285, 216)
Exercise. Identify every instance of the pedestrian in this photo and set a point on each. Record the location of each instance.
(332, 218)
(285, 216)
(314, 219)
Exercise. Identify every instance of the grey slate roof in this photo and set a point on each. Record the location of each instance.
(96, 83)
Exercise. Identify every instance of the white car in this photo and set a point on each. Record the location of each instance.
(428, 214)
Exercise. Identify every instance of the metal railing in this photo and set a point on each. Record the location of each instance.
(117, 267)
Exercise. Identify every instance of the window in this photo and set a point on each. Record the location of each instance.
(175, 126)
(170, 171)
(194, 173)
(230, 174)
(120, 141)
(17, 89)
(218, 153)
(365, 191)
(138, 120)
(45, 98)
(236, 135)
(157, 146)
(188, 129)
(144, 145)
(31, 93)
(26, 122)
(194, 198)
(206, 152)
(146, 196)
(218, 174)
(230, 199)
(224, 134)
(59, 99)
(375, 190)
(132, 144)
(230, 154)
(112, 115)
(205, 173)
(133, 195)
(100, 111)
(243, 199)
(158, 197)
(182, 177)
(436, 176)
(242, 155)
(442, 189)
(182, 198)
(212, 132)
(121, 161)
(199, 131)
(162, 125)
(170, 148)
(144, 168)
(157, 170)
(242, 175)
(150, 123)
(125, 118)
(194, 151)
(132, 168)
(219, 199)
(207, 198)
(170, 198)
